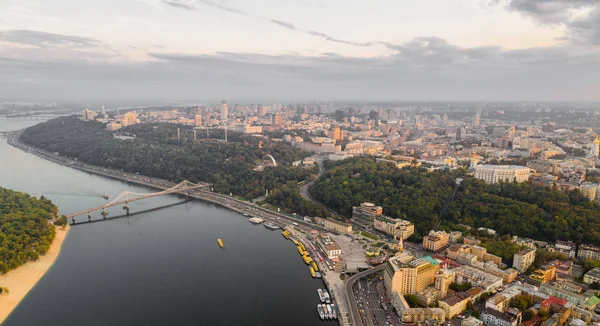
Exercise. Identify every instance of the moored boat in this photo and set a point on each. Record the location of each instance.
(271, 226)
(312, 272)
(295, 241)
(246, 214)
(334, 312)
(321, 311)
(329, 311)
(327, 297)
(318, 275)
(321, 296)
(286, 234)
(256, 220)
(314, 266)
(307, 260)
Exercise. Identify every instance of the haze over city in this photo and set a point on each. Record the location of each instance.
(496, 50)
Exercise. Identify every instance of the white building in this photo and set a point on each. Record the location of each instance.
(501, 173)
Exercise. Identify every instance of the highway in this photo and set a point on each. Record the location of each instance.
(354, 313)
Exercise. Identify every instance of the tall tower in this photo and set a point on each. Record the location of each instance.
(596, 148)
(224, 112)
(442, 281)
(473, 162)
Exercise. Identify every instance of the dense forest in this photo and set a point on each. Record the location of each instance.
(414, 194)
(157, 152)
(25, 231)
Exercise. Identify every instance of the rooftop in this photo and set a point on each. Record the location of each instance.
(455, 298)
(595, 273)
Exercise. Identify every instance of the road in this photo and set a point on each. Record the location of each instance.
(356, 317)
(306, 194)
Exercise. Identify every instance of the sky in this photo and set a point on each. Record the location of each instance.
(300, 50)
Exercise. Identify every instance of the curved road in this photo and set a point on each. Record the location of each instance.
(306, 194)
(356, 318)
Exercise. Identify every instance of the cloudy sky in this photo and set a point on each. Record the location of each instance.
(539, 50)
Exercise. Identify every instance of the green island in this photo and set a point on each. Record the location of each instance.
(26, 231)
(412, 193)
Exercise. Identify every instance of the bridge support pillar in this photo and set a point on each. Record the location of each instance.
(72, 220)
(89, 218)
(104, 213)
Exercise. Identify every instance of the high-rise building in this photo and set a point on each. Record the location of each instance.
(336, 134)
(364, 215)
(477, 119)
(261, 111)
(443, 279)
(339, 116)
(198, 120)
(277, 119)
(87, 115)
(501, 173)
(406, 274)
(224, 111)
(129, 118)
(523, 259)
(374, 116)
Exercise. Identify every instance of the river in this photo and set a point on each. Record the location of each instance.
(157, 268)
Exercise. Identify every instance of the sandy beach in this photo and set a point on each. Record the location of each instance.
(22, 279)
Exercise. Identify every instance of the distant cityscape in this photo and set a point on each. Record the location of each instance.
(449, 276)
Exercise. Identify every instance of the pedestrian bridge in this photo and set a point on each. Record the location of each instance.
(127, 197)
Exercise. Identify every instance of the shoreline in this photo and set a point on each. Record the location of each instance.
(22, 279)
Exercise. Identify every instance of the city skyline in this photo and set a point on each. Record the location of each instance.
(497, 50)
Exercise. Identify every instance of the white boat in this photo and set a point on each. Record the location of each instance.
(256, 220)
(321, 311)
(246, 214)
(327, 297)
(321, 296)
(329, 311)
(334, 312)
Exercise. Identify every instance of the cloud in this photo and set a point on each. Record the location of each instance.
(580, 17)
(551, 11)
(286, 25)
(45, 39)
(179, 4)
(425, 68)
(222, 7)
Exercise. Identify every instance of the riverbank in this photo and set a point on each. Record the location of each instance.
(22, 279)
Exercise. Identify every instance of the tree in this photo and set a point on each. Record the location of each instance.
(412, 300)
(521, 302)
(528, 314)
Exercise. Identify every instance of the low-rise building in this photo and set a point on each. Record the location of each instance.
(493, 317)
(565, 247)
(331, 249)
(397, 227)
(593, 276)
(427, 297)
(588, 252)
(436, 241)
(501, 173)
(454, 304)
(468, 274)
(338, 226)
(544, 274)
(416, 315)
(364, 215)
(471, 321)
(523, 259)
(497, 302)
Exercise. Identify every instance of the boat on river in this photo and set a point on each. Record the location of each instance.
(333, 311)
(321, 296)
(270, 226)
(321, 311)
(327, 297)
(312, 272)
(256, 220)
(220, 242)
(329, 311)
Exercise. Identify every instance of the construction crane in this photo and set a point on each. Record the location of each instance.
(447, 204)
